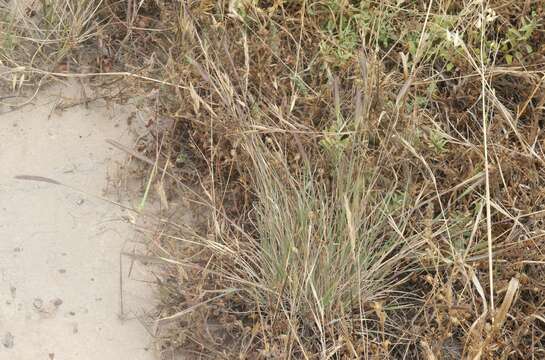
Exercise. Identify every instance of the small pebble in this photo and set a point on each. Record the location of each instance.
(8, 340)
(38, 303)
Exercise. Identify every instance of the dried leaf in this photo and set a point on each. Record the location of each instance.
(501, 315)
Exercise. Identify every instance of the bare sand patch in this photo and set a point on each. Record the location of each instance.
(60, 249)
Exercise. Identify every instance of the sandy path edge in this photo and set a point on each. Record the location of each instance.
(60, 250)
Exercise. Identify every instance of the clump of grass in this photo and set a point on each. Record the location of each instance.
(325, 255)
(41, 38)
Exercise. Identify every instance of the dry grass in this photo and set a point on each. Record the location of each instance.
(373, 172)
(46, 34)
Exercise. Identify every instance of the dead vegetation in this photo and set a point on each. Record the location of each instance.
(373, 171)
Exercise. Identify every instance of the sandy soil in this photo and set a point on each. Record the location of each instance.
(59, 249)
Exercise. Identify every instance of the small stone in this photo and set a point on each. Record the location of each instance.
(62, 271)
(38, 303)
(57, 302)
(8, 340)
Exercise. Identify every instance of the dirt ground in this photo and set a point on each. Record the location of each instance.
(60, 250)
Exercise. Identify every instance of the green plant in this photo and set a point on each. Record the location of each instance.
(516, 41)
(438, 141)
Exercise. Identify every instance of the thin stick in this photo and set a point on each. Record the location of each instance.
(55, 182)
(95, 74)
(121, 309)
(486, 167)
